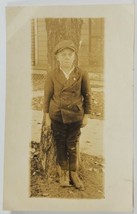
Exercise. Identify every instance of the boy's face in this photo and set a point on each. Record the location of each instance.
(66, 57)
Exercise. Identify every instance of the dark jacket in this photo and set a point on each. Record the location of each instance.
(67, 100)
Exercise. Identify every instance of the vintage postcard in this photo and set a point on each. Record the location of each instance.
(69, 108)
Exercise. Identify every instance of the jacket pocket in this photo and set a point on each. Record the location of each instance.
(75, 107)
(79, 107)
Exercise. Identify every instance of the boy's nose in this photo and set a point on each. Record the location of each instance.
(67, 56)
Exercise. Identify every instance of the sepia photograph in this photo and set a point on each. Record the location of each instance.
(68, 142)
(67, 158)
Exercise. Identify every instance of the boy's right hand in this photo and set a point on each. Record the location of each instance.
(47, 121)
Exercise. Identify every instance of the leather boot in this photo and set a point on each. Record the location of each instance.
(76, 180)
(64, 178)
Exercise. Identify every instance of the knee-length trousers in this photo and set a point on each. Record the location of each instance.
(66, 137)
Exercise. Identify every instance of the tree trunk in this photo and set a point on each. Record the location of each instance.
(57, 30)
(61, 29)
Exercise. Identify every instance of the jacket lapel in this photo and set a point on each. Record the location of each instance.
(61, 79)
(74, 77)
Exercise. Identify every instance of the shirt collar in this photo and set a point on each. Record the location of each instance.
(67, 74)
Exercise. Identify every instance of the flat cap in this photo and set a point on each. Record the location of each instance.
(64, 44)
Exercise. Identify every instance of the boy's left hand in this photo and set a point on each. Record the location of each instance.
(85, 120)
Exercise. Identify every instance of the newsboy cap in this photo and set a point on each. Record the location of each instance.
(64, 44)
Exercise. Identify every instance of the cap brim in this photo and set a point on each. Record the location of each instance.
(61, 49)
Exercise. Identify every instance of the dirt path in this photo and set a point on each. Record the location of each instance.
(91, 173)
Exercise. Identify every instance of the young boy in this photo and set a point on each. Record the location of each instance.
(67, 104)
